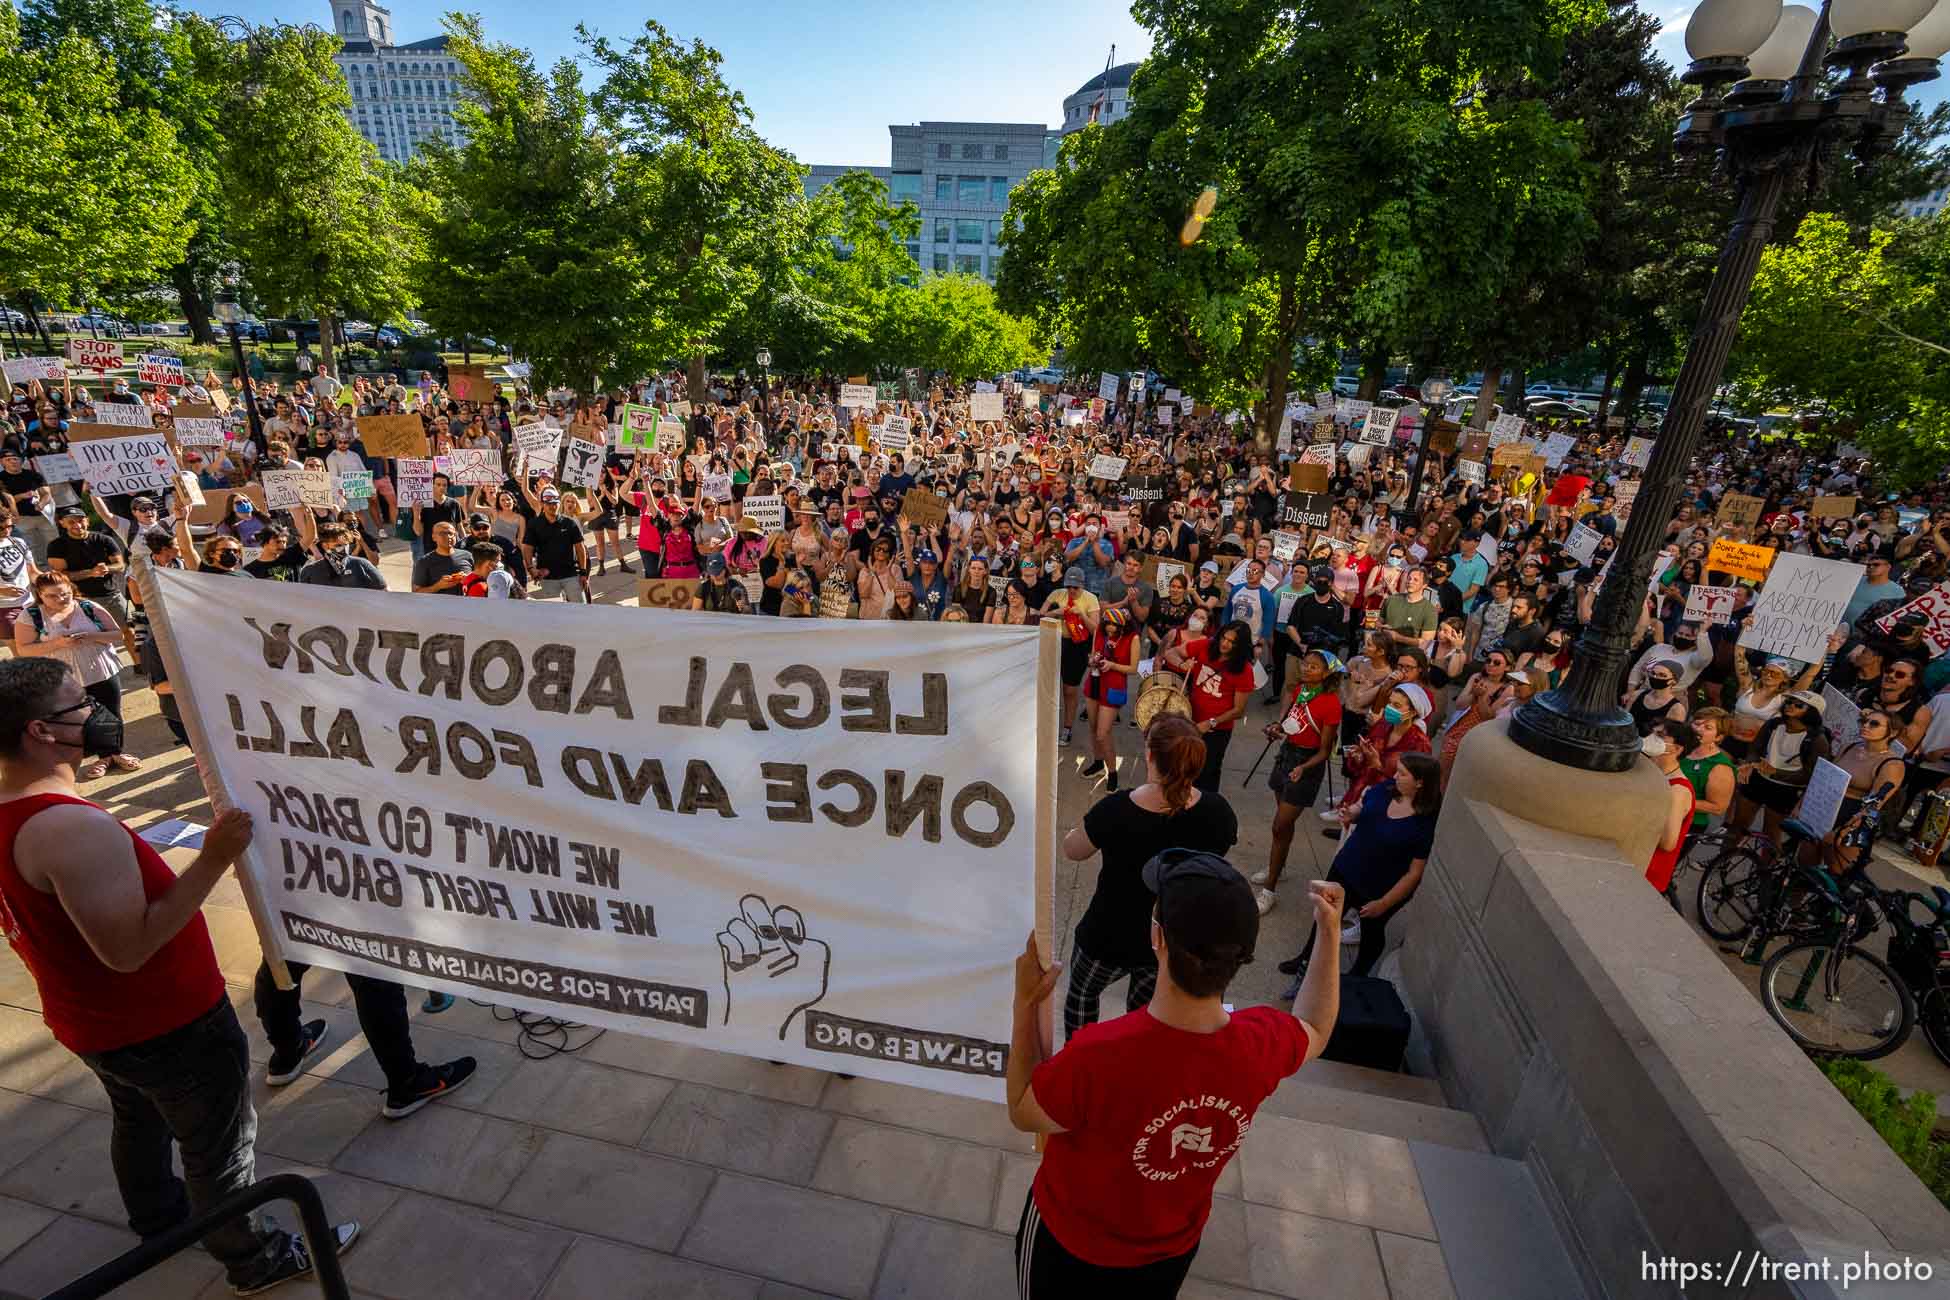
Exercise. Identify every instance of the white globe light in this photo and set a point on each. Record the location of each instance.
(1721, 29)
(1780, 57)
(1930, 38)
(1853, 17)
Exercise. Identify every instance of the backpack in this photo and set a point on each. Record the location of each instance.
(87, 607)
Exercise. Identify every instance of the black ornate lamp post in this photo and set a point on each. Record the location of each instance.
(1435, 391)
(1776, 120)
(229, 312)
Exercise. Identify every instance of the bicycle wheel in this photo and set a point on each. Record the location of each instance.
(1728, 894)
(1837, 1001)
(1934, 1017)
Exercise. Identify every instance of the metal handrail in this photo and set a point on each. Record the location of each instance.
(296, 1188)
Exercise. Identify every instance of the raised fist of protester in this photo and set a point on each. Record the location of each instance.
(1328, 898)
(772, 970)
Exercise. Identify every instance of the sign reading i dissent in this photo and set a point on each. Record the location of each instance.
(817, 844)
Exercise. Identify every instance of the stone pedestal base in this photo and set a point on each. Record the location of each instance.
(1626, 808)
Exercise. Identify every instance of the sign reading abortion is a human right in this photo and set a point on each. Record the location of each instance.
(796, 841)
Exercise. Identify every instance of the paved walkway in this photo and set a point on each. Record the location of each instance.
(637, 1168)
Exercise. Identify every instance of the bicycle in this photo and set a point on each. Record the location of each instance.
(1834, 997)
(1734, 887)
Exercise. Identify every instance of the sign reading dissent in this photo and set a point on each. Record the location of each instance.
(817, 844)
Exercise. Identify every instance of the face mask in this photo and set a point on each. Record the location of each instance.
(1053, 569)
(1394, 561)
(1194, 625)
(1392, 716)
(245, 508)
(1685, 642)
(226, 559)
(336, 556)
(101, 730)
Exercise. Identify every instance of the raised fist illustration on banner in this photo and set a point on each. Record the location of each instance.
(772, 971)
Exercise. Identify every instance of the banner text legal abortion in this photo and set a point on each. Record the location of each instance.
(554, 679)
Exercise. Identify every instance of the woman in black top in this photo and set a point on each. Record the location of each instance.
(1129, 828)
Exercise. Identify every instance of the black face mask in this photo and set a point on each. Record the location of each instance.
(226, 559)
(101, 730)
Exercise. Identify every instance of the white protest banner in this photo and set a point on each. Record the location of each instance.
(1285, 545)
(95, 354)
(1107, 386)
(1470, 471)
(768, 512)
(1821, 802)
(125, 415)
(58, 467)
(1505, 428)
(1637, 453)
(1800, 605)
(619, 829)
(1378, 427)
(1556, 447)
(415, 481)
(1349, 409)
(1172, 395)
(355, 484)
(985, 406)
(1073, 417)
(539, 443)
(861, 397)
(1318, 453)
(160, 368)
(137, 463)
(199, 431)
(21, 370)
(1706, 604)
(284, 489)
(582, 462)
(715, 487)
(470, 466)
(1933, 604)
(1165, 416)
(1582, 543)
(896, 433)
(1841, 718)
(1109, 467)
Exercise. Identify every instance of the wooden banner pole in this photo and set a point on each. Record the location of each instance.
(203, 753)
(1049, 705)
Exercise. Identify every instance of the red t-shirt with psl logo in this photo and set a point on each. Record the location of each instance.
(1151, 1115)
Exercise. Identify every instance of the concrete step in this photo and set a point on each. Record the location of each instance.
(1376, 1083)
(1335, 1103)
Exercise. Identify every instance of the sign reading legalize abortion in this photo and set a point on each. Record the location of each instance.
(820, 844)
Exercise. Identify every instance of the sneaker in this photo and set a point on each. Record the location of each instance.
(1294, 966)
(435, 1081)
(1331, 833)
(296, 1260)
(1110, 781)
(284, 1068)
(1095, 766)
(1066, 735)
(1259, 877)
(1263, 899)
(1329, 815)
(436, 1003)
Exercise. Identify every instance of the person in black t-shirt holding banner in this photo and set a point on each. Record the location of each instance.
(552, 547)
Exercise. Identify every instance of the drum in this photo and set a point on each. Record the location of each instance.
(1161, 693)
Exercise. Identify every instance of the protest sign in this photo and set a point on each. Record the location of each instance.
(387, 436)
(471, 384)
(682, 410)
(471, 466)
(1637, 453)
(768, 512)
(95, 354)
(198, 426)
(1744, 510)
(896, 433)
(1378, 427)
(1582, 543)
(986, 386)
(1358, 454)
(216, 503)
(539, 443)
(1933, 604)
(1556, 447)
(985, 406)
(1108, 467)
(636, 426)
(1442, 436)
(355, 484)
(1841, 718)
(1306, 476)
(715, 487)
(1505, 428)
(1706, 604)
(21, 370)
(582, 462)
(1159, 571)
(414, 481)
(1834, 507)
(1800, 605)
(1741, 559)
(1512, 453)
(1107, 386)
(160, 368)
(122, 462)
(924, 508)
(190, 488)
(1286, 545)
(1470, 471)
(1475, 445)
(1165, 416)
(1144, 488)
(1305, 509)
(1318, 453)
(1821, 802)
(1323, 432)
(59, 467)
(284, 489)
(124, 415)
(513, 816)
(315, 485)
(1097, 408)
(859, 397)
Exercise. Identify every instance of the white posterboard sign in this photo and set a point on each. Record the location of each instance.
(1107, 386)
(284, 489)
(582, 462)
(1709, 605)
(896, 433)
(1933, 604)
(1556, 447)
(1378, 428)
(715, 487)
(860, 397)
(138, 463)
(1109, 467)
(1286, 545)
(21, 370)
(1800, 605)
(985, 406)
(474, 465)
(57, 467)
(539, 442)
(588, 826)
(1505, 428)
(768, 512)
(1469, 471)
(1357, 454)
(199, 431)
(1821, 802)
(1637, 453)
(1842, 719)
(125, 415)
(1582, 543)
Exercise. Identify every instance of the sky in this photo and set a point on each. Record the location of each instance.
(825, 79)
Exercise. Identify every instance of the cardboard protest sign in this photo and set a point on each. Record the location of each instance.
(1637, 453)
(1108, 467)
(1159, 571)
(896, 433)
(924, 508)
(1107, 386)
(21, 370)
(95, 354)
(284, 489)
(1306, 509)
(123, 415)
(715, 487)
(1513, 453)
(582, 462)
(413, 481)
(1143, 488)
(528, 829)
(1834, 507)
(1741, 559)
(1738, 509)
(355, 484)
(1475, 445)
(471, 384)
(768, 512)
(393, 435)
(57, 468)
(1706, 604)
(1582, 543)
(1323, 432)
(1556, 447)
(1933, 604)
(1800, 605)
(216, 503)
(160, 368)
(471, 466)
(132, 462)
(539, 443)
(665, 593)
(1442, 436)
(859, 397)
(1306, 476)
(1378, 428)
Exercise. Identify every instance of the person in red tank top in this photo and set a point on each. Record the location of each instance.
(128, 979)
(1144, 1111)
(1664, 747)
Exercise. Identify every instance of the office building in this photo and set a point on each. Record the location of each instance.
(1930, 205)
(1105, 98)
(402, 95)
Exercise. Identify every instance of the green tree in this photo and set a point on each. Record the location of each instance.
(322, 224)
(953, 323)
(91, 193)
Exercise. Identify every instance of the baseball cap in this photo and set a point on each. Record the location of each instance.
(1204, 904)
(142, 503)
(714, 565)
(1073, 576)
(925, 556)
(479, 520)
(76, 512)
(1812, 699)
(550, 494)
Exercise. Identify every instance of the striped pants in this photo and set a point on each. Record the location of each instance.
(1088, 980)
(1046, 1271)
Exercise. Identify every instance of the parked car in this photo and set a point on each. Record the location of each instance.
(154, 327)
(97, 323)
(8, 316)
(1552, 409)
(1044, 375)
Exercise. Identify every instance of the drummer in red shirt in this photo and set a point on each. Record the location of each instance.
(1145, 1110)
(1219, 679)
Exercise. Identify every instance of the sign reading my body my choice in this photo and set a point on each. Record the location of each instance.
(631, 829)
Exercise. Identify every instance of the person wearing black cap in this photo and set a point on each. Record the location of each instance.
(480, 528)
(1144, 1111)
